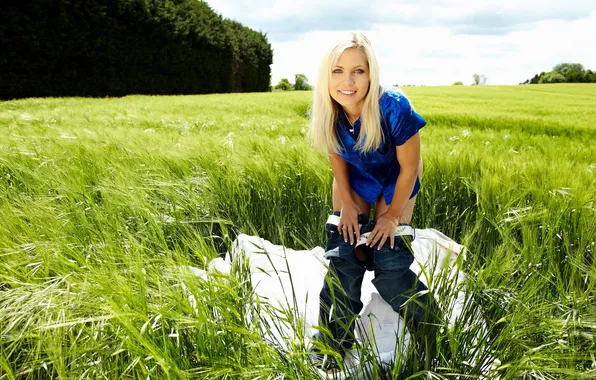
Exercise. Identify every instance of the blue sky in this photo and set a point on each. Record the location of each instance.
(430, 42)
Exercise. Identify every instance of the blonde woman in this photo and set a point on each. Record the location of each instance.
(371, 136)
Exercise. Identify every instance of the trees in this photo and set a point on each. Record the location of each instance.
(552, 77)
(284, 85)
(458, 84)
(301, 83)
(536, 78)
(479, 79)
(252, 58)
(572, 72)
(565, 73)
(120, 47)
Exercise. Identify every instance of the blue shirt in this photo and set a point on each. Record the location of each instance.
(374, 174)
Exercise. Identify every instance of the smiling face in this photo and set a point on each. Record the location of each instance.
(350, 81)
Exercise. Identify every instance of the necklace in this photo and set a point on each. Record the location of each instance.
(351, 124)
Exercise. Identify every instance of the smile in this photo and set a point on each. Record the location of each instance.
(347, 92)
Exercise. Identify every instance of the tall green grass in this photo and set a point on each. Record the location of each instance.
(103, 201)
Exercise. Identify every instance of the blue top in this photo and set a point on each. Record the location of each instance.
(375, 173)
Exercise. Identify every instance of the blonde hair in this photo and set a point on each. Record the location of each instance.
(324, 111)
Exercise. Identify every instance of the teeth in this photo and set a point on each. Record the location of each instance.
(347, 92)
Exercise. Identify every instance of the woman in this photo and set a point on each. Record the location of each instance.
(371, 136)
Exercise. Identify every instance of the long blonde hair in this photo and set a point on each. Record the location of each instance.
(324, 111)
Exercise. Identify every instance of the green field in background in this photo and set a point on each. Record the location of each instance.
(102, 200)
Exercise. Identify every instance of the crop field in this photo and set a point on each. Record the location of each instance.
(103, 202)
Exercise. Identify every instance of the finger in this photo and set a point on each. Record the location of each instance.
(382, 242)
(346, 232)
(371, 236)
(392, 240)
(339, 226)
(376, 238)
(351, 231)
(357, 232)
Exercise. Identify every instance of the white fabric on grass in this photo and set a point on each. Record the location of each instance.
(271, 266)
(293, 279)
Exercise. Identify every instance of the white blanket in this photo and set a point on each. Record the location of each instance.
(275, 270)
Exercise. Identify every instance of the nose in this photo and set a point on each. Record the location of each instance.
(349, 78)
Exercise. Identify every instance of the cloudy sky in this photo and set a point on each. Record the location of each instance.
(430, 42)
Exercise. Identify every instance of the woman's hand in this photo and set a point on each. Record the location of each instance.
(384, 229)
(348, 222)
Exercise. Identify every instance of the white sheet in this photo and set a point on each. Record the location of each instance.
(275, 269)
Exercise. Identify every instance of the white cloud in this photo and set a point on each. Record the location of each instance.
(433, 42)
(287, 19)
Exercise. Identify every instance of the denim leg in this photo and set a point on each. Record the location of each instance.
(396, 283)
(340, 301)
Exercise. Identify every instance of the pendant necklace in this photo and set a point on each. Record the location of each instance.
(349, 122)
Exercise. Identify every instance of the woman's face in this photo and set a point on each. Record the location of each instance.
(350, 80)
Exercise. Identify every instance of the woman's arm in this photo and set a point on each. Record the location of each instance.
(339, 167)
(408, 157)
(349, 208)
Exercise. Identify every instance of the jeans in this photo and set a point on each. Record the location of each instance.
(394, 280)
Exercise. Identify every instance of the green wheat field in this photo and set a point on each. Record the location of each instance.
(103, 202)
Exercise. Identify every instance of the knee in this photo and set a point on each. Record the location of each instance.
(393, 283)
(345, 276)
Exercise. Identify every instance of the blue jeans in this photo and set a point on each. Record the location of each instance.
(394, 280)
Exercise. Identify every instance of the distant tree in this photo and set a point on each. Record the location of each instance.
(573, 72)
(552, 77)
(540, 76)
(536, 78)
(301, 83)
(479, 79)
(284, 85)
(457, 84)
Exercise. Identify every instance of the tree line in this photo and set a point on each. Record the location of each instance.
(300, 84)
(564, 73)
(119, 47)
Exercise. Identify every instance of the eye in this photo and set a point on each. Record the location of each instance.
(336, 71)
(359, 71)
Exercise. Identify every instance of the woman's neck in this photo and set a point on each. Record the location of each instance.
(353, 113)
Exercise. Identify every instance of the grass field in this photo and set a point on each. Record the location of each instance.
(103, 200)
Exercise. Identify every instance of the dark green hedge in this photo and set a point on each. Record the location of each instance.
(119, 47)
(252, 58)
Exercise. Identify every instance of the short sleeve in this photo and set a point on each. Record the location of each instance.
(401, 118)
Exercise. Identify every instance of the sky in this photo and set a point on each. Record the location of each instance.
(426, 42)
